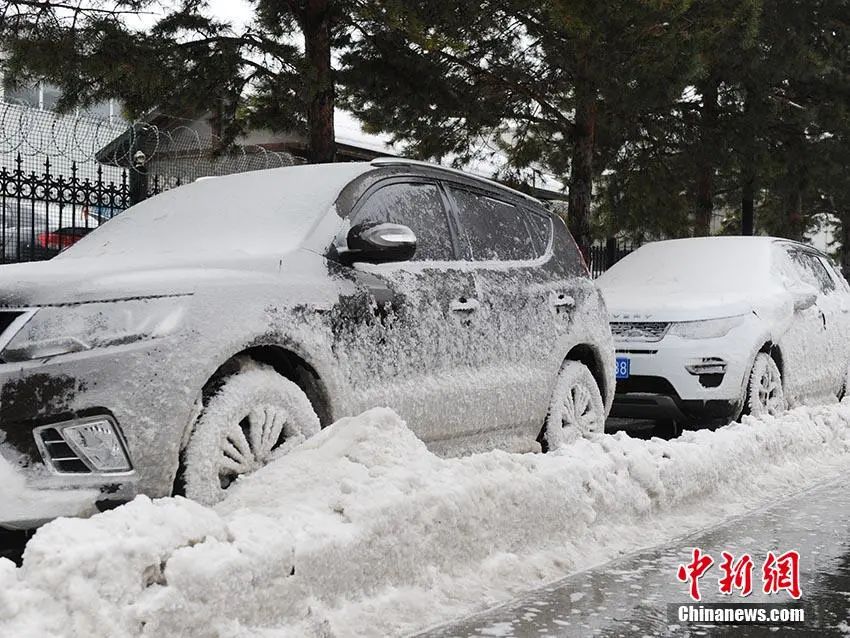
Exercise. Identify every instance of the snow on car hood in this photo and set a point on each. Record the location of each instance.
(693, 279)
(82, 280)
(667, 305)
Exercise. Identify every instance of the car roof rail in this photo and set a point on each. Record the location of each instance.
(403, 161)
(800, 244)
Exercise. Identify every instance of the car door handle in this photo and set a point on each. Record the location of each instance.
(464, 305)
(562, 300)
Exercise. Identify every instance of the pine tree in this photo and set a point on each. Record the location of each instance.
(544, 80)
(186, 61)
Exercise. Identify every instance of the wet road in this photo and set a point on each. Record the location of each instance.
(629, 597)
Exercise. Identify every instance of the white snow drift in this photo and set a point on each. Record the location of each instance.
(362, 531)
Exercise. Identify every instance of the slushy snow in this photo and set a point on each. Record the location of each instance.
(361, 531)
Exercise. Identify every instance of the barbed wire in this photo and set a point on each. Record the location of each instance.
(173, 148)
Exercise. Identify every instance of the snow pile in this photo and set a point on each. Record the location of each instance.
(362, 531)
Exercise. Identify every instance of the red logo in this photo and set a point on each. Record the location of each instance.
(778, 573)
(782, 572)
(736, 574)
(695, 570)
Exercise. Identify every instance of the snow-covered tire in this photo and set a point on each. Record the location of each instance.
(255, 415)
(576, 409)
(764, 390)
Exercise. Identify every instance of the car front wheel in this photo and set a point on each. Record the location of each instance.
(255, 415)
(576, 409)
(764, 391)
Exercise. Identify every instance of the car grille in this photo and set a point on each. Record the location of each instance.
(639, 330)
(59, 454)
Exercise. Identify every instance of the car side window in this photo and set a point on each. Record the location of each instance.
(419, 206)
(540, 227)
(491, 229)
(811, 270)
(835, 273)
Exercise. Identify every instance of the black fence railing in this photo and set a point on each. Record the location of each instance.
(43, 212)
(61, 175)
(602, 256)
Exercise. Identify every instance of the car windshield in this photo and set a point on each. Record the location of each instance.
(257, 213)
(718, 264)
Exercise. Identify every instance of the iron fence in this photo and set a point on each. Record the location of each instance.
(43, 211)
(602, 256)
(62, 175)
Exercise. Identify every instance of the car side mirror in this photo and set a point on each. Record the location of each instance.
(379, 243)
(804, 299)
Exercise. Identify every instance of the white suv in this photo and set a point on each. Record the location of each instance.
(708, 328)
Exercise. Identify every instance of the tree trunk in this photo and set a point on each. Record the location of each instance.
(748, 169)
(748, 198)
(316, 26)
(706, 157)
(795, 188)
(794, 206)
(581, 168)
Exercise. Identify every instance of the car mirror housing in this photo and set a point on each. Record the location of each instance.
(804, 299)
(379, 243)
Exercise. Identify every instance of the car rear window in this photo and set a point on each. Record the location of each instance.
(810, 269)
(540, 227)
(492, 229)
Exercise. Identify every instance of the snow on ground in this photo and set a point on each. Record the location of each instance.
(362, 531)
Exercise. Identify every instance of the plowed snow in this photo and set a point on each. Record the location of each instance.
(362, 531)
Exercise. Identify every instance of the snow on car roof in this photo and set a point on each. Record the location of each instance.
(258, 213)
(695, 264)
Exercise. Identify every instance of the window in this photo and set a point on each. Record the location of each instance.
(23, 95)
(492, 229)
(49, 97)
(810, 269)
(835, 273)
(419, 206)
(540, 227)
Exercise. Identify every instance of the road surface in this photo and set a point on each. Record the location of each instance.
(629, 596)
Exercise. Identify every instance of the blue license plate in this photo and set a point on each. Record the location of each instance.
(624, 365)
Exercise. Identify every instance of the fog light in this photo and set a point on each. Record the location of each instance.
(98, 443)
(707, 365)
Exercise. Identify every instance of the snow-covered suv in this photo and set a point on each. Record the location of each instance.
(706, 328)
(150, 356)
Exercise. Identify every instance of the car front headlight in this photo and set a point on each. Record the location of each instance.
(706, 329)
(64, 329)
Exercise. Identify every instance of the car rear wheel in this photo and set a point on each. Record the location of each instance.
(764, 391)
(576, 409)
(255, 416)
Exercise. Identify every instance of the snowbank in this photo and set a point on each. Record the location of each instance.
(362, 531)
